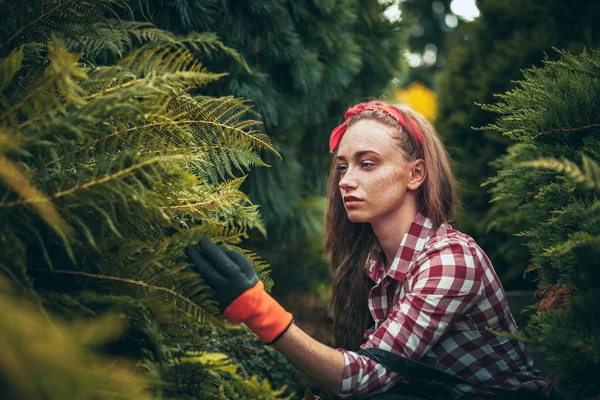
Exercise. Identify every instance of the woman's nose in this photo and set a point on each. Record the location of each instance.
(347, 181)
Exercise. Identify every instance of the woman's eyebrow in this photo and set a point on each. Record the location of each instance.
(358, 154)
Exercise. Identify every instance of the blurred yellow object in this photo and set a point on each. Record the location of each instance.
(420, 98)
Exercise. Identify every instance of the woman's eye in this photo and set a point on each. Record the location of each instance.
(367, 164)
(340, 168)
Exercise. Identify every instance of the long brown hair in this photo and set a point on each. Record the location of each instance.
(349, 243)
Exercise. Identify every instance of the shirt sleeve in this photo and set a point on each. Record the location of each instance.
(445, 285)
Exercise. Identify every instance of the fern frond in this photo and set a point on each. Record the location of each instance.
(18, 182)
(209, 41)
(191, 308)
(70, 18)
(216, 366)
(260, 266)
(211, 361)
(199, 43)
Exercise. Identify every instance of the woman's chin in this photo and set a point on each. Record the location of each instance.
(356, 217)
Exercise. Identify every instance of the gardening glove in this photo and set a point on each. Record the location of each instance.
(238, 291)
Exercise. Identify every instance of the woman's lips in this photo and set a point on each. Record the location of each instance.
(352, 201)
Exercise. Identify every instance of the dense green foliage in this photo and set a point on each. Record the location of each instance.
(549, 184)
(309, 60)
(112, 160)
(485, 57)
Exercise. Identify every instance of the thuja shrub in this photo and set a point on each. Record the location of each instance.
(549, 182)
(485, 57)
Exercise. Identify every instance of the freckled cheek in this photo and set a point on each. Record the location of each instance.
(378, 185)
(386, 190)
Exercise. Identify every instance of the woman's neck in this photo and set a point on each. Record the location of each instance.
(391, 230)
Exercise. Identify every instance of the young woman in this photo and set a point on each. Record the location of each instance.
(404, 280)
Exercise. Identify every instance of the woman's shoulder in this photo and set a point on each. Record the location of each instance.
(445, 236)
(453, 246)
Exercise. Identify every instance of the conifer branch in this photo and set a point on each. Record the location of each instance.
(555, 297)
(569, 129)
(590, 176)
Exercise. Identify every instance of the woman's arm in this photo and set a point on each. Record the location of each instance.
(320, 362)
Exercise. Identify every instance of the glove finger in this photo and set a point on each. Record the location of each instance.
(209, 273)
(218, 258)
(242, 262)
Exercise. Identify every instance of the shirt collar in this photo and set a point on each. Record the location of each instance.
(411, 246)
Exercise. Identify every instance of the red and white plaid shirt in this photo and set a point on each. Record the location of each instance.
(433, 305)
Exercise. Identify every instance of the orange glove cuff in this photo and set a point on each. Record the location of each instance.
(260, 312)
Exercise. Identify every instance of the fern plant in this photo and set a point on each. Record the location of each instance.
(310, 61)
(542, 185)
(111, 162)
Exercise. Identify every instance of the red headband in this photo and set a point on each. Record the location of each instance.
(405, 121)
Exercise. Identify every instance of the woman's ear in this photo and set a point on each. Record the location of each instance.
(418, 173)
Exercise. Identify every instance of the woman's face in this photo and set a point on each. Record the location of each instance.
(374, 175)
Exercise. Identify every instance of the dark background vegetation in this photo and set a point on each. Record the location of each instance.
(299, 64)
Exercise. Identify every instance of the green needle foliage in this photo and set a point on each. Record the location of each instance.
(485, 57)
(549, 183)
(112, 160)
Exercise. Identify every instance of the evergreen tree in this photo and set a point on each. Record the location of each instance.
(485, 56)
(549, 183)
(112, 160)
(308, 62)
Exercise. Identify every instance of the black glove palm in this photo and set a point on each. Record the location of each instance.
(227, 272)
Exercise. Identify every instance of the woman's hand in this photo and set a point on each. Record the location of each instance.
(227, 272)
(238, 291)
